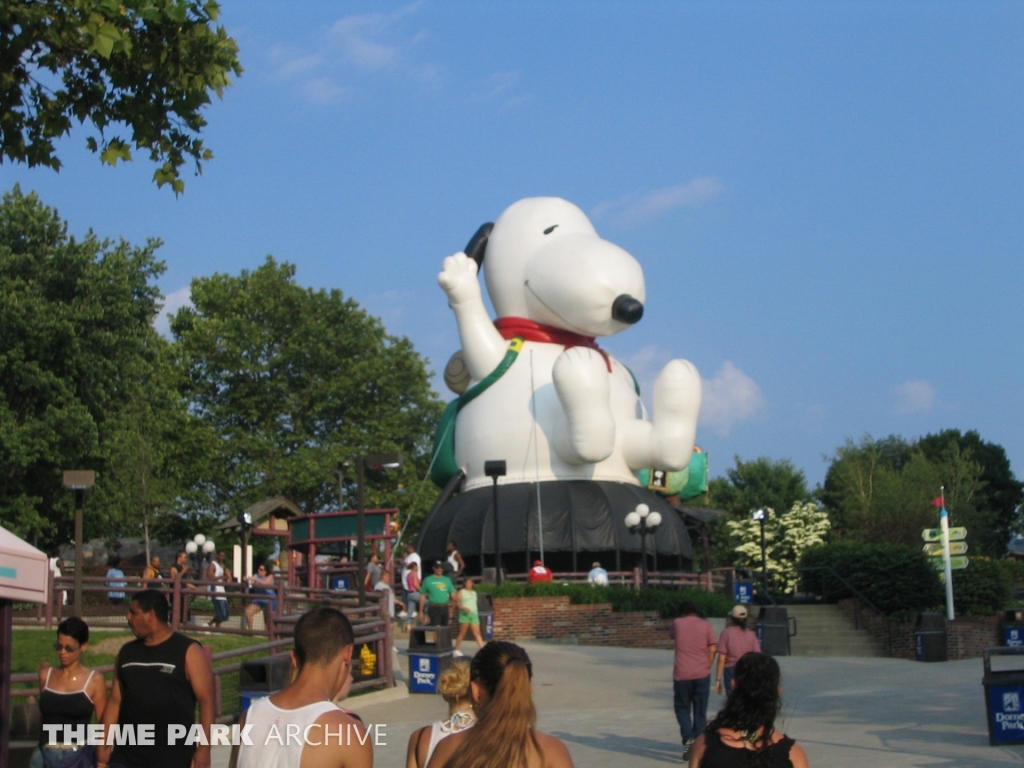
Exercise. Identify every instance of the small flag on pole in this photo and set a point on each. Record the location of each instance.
(938, 501)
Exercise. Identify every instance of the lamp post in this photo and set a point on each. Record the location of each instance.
(197, 549)
(372, 461)
(641, 520)
(245, 520)
(761, 515)
(496, 469)
(79, 481)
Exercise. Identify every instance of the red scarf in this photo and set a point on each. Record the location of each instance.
(528, 330)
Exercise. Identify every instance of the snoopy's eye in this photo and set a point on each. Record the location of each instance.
(550, 229)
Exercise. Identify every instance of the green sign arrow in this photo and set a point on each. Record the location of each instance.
(934, 549)
(955, 563)
(935, 534)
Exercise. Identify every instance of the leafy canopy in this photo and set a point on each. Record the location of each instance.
(292, 382)
(148, 66)
(75, 317)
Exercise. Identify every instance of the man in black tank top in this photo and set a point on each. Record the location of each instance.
(158, 679)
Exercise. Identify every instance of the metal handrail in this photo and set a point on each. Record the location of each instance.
(859, 596)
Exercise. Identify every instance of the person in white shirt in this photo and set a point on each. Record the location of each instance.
(384, 585)
(598, 576)
(331, 737)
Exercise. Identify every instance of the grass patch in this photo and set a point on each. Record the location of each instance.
(665, 601)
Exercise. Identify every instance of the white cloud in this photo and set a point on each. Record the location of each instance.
(363, 43)
(914, 397)
(504, 88)
(730, 397)
(631, 209)
(172, 303)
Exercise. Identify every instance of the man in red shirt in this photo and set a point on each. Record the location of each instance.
(539, 573)
(691, 674)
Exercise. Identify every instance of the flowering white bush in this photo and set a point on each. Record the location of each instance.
(786, 536)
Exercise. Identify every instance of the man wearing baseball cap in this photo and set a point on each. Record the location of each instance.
(734, 641)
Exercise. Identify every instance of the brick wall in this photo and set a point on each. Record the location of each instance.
(966, 638)
(553, 618)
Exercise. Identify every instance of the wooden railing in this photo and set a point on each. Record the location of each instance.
(711, 581)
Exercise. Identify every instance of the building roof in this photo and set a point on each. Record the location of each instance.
(263, 512)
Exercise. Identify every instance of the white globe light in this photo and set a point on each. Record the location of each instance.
(643, 510)
(199, 539)
(191, 548)
(654, 519)
(209, 546)
(632, 520)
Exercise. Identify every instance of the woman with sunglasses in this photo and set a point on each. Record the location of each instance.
(262, 583)
(69, 695)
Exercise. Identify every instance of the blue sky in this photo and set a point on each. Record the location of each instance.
(826, 198)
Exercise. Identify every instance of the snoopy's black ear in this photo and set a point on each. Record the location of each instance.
(478, 243)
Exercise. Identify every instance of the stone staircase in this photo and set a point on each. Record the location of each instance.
(824, 630)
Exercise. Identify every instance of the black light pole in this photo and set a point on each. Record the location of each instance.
(79, 481)
(761, 515)
(374, 461)
(641, 520)
(496, 469)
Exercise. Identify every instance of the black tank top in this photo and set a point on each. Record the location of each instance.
(155, 690)
(64, 708)
(720, 755)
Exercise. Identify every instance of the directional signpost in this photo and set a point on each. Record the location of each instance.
(955, 563)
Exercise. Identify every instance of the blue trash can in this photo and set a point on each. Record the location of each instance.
(425, 667)
(743, 592)
(1004, 697)
(1011, 628)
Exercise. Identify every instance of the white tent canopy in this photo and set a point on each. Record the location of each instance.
(24, 570)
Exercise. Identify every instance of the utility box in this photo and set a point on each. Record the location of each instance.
(774, 629)
(930, 637)
(1004, 696)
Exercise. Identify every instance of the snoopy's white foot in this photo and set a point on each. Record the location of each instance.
(587, 433)
(667, 441)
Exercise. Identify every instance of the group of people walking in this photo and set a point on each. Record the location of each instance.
(743, 733)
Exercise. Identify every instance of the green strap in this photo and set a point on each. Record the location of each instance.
(444, 467)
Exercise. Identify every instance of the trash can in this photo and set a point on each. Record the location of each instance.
(1004, 696)
(485, 607)
(1011, 629)
(262, 677)
(430, 654)
(743, 592)
(930, 637)
(773, 630)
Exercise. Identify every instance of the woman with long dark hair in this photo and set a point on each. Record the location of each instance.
(505, 734)
(743, 734)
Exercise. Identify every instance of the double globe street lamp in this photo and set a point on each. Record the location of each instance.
(198, 550)
(641, 520)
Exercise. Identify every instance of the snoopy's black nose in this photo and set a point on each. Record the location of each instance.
(626, 309)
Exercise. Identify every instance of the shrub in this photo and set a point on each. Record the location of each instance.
(665, 601)
(894, 577)
(983, 588)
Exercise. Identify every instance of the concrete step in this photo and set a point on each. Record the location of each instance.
(824, 630)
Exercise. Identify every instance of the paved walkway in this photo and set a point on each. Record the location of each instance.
(613, 707)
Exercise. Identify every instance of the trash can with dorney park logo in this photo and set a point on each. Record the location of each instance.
(1004, 695)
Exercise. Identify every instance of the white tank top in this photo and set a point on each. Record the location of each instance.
(460, 721)
(270, 722)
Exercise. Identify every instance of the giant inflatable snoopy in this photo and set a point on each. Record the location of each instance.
(535, 388)
(556, 284)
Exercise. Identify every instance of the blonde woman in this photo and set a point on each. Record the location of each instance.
(469, 616)
(453, 685)
(505, 734)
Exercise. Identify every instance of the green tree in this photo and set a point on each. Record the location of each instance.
(148, 66)
(75, 317)
(293, 382)
(758, 483)
(996, 500)
(881, 491)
